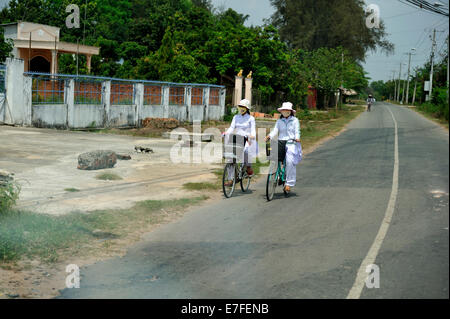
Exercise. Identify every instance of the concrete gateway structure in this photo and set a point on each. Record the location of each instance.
(39, 46)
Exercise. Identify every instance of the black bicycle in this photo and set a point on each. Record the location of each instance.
(235, 172)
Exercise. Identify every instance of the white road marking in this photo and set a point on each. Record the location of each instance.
(358, 286)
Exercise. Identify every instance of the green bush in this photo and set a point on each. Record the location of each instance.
(9, 194)
(304, 115)
(228, 117)
(438, 107)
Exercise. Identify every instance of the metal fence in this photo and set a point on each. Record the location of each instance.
(176, 95)
(214, 96)
(49, 89)
(88, 91)
(122, 93)
(152, 95)
(197, 96)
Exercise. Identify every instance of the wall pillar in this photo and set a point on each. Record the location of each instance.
(166, 92)
(106, 98)
(16, 110)
(69, 101)
(139, 103)
(223, 94)
(188, 99)
(248, 89)
(237, 90)
(206, 92)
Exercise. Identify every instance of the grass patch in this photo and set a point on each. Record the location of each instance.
(201, 186)
(432, 116)
(30, 235)
(108, 177)
(71, 190)
(313, 131)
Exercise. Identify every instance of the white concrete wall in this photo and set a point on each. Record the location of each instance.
(70, 115)
(17, 88)
(50, 115)
(156, 111)
(122, 115)
(2, 107)
(85, 115)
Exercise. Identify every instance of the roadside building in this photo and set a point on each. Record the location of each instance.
(39, 46)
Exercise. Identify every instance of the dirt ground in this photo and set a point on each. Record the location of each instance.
(45, 165)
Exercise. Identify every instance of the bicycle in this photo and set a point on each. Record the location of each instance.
(369, 105)
(235, 172)
(278, 177)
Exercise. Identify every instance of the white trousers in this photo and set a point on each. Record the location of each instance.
(291, 170)
(293, 157)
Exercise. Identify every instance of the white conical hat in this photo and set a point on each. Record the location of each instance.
(287, 106)
(245, 103)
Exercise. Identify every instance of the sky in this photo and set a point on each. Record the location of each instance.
(408, 27)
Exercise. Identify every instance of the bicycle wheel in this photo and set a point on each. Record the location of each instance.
(245, 181)
(272, 181)
(228, 183)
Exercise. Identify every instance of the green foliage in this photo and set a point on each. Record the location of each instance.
(9, 194)
(314, 24)
(6, 47)
(438, 107)
(190, 41)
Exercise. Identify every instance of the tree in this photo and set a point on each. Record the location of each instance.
(313, 24)
(6, 47)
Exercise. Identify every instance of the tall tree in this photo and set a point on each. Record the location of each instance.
(313, 24)
(5, 47)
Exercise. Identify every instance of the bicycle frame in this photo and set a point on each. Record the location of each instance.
(281, 171)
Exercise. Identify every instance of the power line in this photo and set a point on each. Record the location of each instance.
(425, 5)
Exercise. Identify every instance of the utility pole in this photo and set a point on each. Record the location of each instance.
(395, 84)
(84, 27)
(433, 46)
(448, 53)
(409, 68)
(415, 89)
(403, 92)
(399, 81)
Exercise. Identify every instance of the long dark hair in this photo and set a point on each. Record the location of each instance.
(292, 114)
(248, 112)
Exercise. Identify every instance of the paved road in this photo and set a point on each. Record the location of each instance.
(312, 244)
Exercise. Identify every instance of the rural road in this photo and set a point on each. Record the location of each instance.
(311, 245)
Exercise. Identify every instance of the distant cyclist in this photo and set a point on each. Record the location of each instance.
(288, 130)
(370, 101)
(243, 124)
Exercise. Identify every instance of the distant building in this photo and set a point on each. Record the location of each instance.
(39, 46)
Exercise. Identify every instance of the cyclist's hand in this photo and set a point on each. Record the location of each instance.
(267, 138)
(297, 140)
